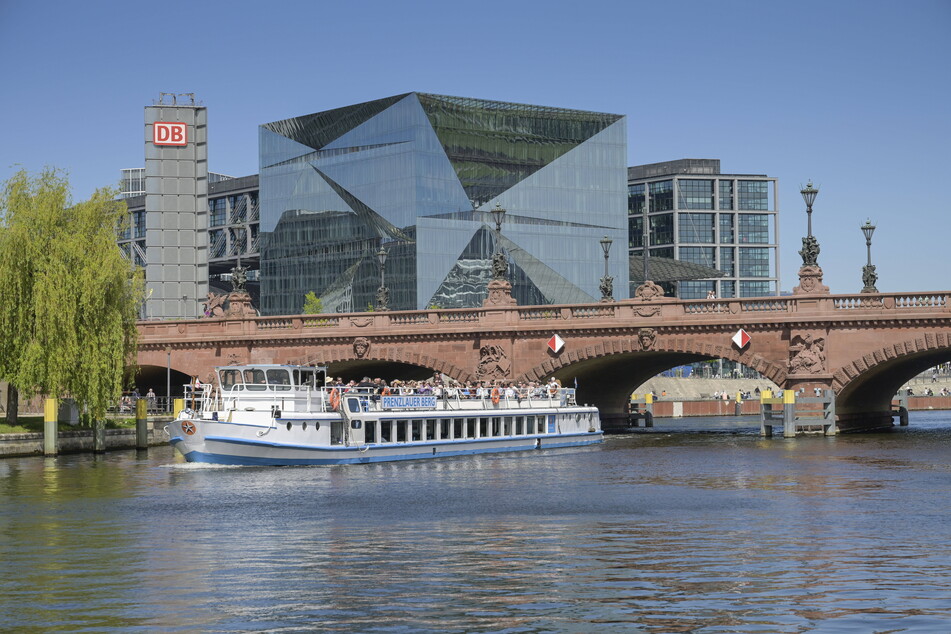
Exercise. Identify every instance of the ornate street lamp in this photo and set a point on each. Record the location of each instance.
(607, 282)
(382, 293)
(500, 265)
(810, 246)
(869, 276)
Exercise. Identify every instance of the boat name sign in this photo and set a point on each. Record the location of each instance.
(416, 401)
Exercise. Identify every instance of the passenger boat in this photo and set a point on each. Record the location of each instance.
(285, 415)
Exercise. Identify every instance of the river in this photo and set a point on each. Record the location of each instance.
(668, 530)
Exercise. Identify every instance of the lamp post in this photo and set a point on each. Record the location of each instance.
(168, 378)
(382, 293)
(500, 265)
(607, 282)
(869, 277)
(810, 246)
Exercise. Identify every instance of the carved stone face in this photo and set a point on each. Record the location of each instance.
(647, 337)
(807, 283)
(361, 346)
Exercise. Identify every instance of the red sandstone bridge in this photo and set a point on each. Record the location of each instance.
(862, 346)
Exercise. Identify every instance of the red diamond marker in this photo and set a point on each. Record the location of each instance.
(741, 338)
(556, 343)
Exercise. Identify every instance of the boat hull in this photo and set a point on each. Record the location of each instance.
(237, 451)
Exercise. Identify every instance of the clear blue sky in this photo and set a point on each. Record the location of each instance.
(855, 95)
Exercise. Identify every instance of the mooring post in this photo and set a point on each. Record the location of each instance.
(789, 413)
(765, 409)
(50, 431)
(141, 424)
(829, 413)
(649, 409)
(178, 407)
(738, 404)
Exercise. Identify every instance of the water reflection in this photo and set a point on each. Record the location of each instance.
(659, 532)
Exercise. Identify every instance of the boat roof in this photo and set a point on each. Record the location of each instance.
(271, 366)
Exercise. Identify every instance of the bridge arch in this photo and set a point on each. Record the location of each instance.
(866, 384)
(608, 372)
(389, 363)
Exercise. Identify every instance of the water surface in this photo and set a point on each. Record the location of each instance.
(697, 526)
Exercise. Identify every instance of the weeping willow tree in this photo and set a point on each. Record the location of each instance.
(68, 297)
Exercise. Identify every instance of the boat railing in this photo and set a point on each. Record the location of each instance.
(371, 401)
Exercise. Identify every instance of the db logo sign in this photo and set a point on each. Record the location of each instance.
(169, 133)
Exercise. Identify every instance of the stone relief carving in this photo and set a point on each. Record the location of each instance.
(646, 311)
(493, 363)
(808, 355)
(361, 322)
(361, 346)
(647, 338)
(648, 291)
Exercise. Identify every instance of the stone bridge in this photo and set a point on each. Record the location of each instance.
(862, 346)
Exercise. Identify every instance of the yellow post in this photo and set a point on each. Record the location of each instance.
(765, 394)
(649, 398)
(179, 405)
(50, 432)
(789, 396)
(141, 424)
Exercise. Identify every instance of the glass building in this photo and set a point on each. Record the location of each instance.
(417, 174)
(696, 214)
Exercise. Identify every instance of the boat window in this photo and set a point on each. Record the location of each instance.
(507, 426)
(386, 429)
(370, 432)
(304, 378)
(417, 431)
(496, 425)
(279, 379)
(401, 430)
(336, 432)
(254, 378)
(229, 379)
(355, 424)
(444, 425)
(519, 425)
(459, 428)
(471, 427)
(483, 427)
(431, 429)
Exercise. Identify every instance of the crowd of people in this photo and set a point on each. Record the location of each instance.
(515, 390)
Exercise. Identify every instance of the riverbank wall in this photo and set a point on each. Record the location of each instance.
(78, 441)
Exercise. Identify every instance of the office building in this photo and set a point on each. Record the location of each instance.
(701, 216)
(417, 175)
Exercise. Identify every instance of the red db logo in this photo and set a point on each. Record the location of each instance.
(169, 133)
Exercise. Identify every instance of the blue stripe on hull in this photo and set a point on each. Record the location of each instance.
(362, 457)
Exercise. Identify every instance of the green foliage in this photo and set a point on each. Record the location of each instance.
(370, 308)
(68, 298)
(312, 304)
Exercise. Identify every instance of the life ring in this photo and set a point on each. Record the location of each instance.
(188, 427)
(495, 395)
(334, 398)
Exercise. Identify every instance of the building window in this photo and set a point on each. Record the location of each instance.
(217, 208)
(696, 289)
(726, 229)
(217, 243)
(698, 255)
(662, 229)
(635, 232)
(753, 195)
(695, 194)
(727, 261)
(754, 228)
(726, 194)
(662, 196)
(635, 199)
(756, 289)
(754, 262)
(239, 208)
(696, 228)
(727, 288)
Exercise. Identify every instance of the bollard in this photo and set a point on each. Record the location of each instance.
(765, 408)
(789, 413)
(50, 431)
(141, 424)
(902, 417)
(738, 404)
(649, 410)
(179, 405)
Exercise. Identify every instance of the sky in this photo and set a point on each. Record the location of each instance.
(854, 95)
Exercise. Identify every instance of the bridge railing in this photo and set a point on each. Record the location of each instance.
(524, 316)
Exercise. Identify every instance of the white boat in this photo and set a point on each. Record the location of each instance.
(279, 415)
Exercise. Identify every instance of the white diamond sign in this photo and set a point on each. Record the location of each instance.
(741, 338)
(556, 343)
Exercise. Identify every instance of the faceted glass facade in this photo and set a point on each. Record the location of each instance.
(418, 174)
